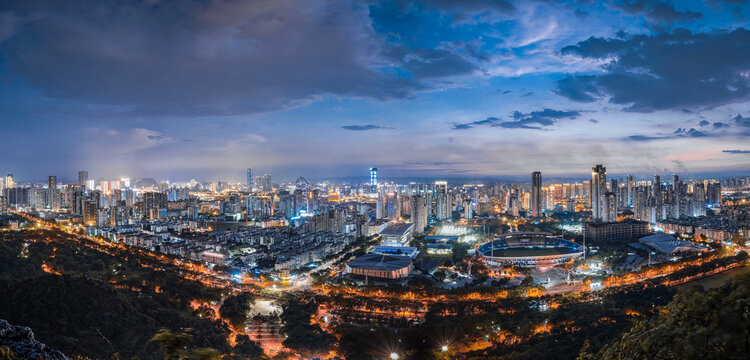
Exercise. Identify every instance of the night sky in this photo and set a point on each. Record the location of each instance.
(203, 89)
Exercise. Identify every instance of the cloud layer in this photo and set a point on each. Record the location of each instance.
(664, 71)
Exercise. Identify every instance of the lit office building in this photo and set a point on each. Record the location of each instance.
(536, 194)
(442, 201)
(52, 194)
(250, 178)
(598, 191)
(83, 177)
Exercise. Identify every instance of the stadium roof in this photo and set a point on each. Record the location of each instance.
(667, 244)
(397, 229)
(373, 261)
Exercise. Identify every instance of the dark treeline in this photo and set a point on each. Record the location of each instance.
(98, 305)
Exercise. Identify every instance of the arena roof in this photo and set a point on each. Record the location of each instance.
(397, 229)
(667, 244)
(373, 261)
(528, 245)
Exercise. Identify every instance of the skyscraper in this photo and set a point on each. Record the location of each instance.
(598, 191)
(656, 186)
(250, 178)
(699, 199)
(676, 189)
(52, 192)
(610, 212)
(658, 195)
(442, 206)
(536, 194)
(418, 213)
(10, 182)
(83, 176)
(631, 183)
(373, 176)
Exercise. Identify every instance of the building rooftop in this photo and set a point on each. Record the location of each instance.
(667, 244)
(374, 261)
(397, 229)
(396, 250)
(625, 221)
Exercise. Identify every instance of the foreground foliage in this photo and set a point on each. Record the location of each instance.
(697, 324)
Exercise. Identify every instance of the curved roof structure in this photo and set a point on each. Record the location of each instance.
(382, 262)
(530, 249)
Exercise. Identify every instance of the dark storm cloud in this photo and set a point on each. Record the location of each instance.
(364, 127)
(736, 151)
(703, 123)
(578, 88)
(680, 132)
(719, 125)
(462, 9)
(739, 120)
(690, 132)
(646, 138)
(533, 120)
(650, 72)
(443, 61)
(203, 57)
(537, 119)
(466, 126)
(656, 12)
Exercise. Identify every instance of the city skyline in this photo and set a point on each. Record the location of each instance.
(374, 179)
(416, 88)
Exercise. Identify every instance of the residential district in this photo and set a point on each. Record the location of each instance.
(348, 239)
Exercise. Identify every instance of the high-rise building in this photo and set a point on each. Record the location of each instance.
(630, 185)
(713, 194)
(392, 205)
(442, 205)
(153, 203)
(468, 210)
(52, 202)
(10, 182)
(90, 213)
(536, 194)
(656, 186)
(676, 198)
(699, 199)
(658, 194)
(83, 177)
(611, 206)
(598, 191)
(264, 183)
(373, 176)
(250, 178)
(418, 213)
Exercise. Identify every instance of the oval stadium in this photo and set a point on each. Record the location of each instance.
(529, 250)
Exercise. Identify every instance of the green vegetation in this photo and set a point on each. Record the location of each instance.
(303, 337)
(236, 309)
(100, 305)
(696, 324)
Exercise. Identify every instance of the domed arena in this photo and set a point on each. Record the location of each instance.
(529, 250)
